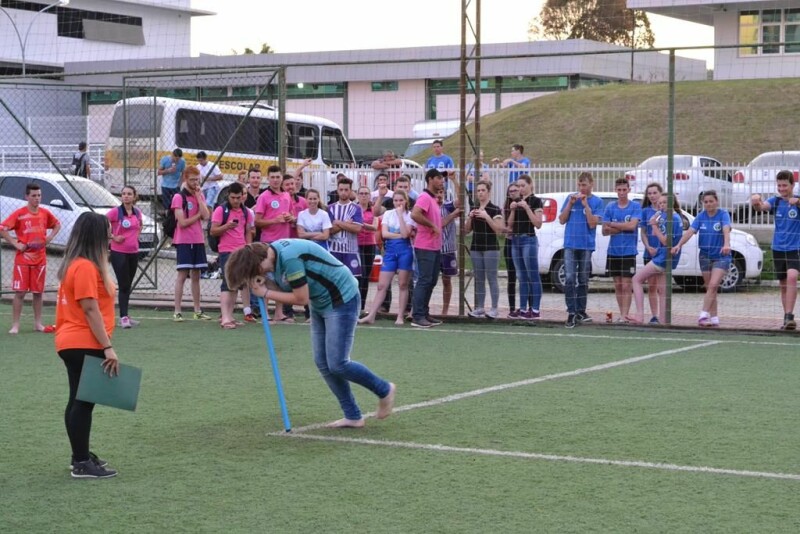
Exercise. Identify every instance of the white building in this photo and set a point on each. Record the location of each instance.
(742, 26)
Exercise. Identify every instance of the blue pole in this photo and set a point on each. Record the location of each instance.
(274, 361)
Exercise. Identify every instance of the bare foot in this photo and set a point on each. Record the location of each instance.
(347, 423)
(367, 320)
(14, 330)
(399, 322)
(386, 404)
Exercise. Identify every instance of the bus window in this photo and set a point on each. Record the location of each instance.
(140, 121)
(267, 134)
(335, 150)
(303, 141)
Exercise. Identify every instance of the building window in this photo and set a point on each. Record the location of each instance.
(384, 86)
(314, 90)
(769, 27)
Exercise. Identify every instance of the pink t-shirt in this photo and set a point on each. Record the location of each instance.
(426, 239)
(297, 206)
(270, 205)
(233, 239)
(192, 234)
(367, 237)
(128, 228)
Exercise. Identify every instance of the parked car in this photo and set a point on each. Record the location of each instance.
(759, 176)
(748, 258)
(691, 176)
(66, 199)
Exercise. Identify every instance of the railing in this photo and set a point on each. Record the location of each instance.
(30, 158)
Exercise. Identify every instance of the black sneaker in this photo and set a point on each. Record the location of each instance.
(789, 322)
(433, 321)
(581, 317)
(570, 321)
(421, 323)
(90, 469)
(93, 457)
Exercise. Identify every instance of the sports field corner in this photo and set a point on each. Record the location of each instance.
(497, 427)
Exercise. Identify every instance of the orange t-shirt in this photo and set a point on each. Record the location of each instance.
(81, 281)
(31, 229)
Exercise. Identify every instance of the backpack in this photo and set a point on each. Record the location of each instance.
(213, 241)
(79, 164)
(170, 222)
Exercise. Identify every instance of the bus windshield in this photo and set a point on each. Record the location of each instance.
(335, 150)
(140, 121)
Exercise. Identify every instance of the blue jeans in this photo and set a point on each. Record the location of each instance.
(525, 253)
(332, 334)
(428, 263)
(578, 265)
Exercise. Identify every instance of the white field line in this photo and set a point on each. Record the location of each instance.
(548, 457)
(528, 382)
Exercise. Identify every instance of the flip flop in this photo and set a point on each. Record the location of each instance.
(231, 325)
(632, 320)
(49, 329)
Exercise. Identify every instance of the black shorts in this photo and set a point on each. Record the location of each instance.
(624, 266)
(785, 261)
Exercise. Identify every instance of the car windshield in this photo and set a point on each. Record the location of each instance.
(777, 160)
(88, 194)
(660, 162)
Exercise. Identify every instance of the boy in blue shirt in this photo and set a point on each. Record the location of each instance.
(785, 242)
(581, 213)
(621, 221)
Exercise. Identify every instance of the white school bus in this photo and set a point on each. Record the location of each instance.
(154, 127)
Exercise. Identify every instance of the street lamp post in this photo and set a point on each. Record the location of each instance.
(23, 43)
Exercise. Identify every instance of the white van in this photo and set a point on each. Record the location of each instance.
(426, 132)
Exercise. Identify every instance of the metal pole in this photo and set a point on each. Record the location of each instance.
(670, 179)
(282, 137)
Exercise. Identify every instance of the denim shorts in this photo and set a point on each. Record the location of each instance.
(707, 264)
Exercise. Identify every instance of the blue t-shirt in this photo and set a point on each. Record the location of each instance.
(787, 225)
(660, 258)
(644, 222)
(577, 234)
(710, 236)
(174, 179)
(623, 243)
(440, 162)
(301, 262)
(513, 176)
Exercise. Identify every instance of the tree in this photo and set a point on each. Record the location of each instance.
(265, 49)
(607, 21)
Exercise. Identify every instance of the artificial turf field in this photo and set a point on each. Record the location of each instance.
(498, 428)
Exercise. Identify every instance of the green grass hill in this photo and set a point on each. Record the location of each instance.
(732, 121)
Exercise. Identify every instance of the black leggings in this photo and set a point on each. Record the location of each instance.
(367, 253)
(512, 275)
(125, 266)
(78, 415)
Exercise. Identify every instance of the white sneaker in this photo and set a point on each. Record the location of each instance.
(492, 313)
(126, 322)
(477, 313)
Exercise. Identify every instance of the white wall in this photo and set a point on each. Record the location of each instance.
(329, 108)
(385, 114)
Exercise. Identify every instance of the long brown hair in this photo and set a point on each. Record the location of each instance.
(89, 240)
(244, 264)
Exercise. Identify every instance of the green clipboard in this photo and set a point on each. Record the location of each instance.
(121, 391)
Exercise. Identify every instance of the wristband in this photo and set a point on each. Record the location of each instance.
(106, 348)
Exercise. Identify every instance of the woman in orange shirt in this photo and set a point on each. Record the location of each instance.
(84, 325)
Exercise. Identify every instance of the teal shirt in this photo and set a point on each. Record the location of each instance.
(301, 262)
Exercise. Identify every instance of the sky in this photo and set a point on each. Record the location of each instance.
(322, 25)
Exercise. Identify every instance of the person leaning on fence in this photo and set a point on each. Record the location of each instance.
(126, 225)
(389, 165)
(307, 274)
(621, 222)
(34, 228)
(171, 168)
(785, 241)
(580, 213)
(190, 210)
(517, 162)
(658, 265)
(233, 232)
(485, 222)
(84, 327)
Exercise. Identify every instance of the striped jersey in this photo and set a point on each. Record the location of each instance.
(344, 242)
(449, 230)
